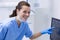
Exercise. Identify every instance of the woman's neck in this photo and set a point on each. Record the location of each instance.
(18, 22)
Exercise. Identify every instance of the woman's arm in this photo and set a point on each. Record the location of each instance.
(36, 35)
(47, 31)
(3, 31)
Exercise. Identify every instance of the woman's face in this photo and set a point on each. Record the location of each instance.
(24, 12)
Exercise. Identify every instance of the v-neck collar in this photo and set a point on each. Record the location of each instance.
(16, 25)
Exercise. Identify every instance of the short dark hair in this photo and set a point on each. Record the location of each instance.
(19, 6)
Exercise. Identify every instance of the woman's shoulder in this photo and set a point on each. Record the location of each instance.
(7, 21)
(26, 24)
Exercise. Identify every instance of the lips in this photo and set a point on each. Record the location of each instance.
(25, 18)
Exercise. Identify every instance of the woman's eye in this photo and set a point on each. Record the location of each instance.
(24, 11)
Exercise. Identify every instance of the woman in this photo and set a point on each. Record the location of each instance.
(16, 26)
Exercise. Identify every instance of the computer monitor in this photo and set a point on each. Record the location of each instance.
(56, 31)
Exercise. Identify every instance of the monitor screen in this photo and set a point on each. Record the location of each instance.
(56, 31)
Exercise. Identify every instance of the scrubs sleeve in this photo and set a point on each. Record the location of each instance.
(3, 31)
(28, 32)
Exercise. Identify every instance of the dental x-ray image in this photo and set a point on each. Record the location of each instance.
(56, 31)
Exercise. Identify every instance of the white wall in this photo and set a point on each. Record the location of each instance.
(4, 13)
(43, 14)
(56, 9)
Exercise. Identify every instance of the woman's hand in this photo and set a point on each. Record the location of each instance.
(49, 31)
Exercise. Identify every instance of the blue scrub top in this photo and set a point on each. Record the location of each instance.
(9, 30)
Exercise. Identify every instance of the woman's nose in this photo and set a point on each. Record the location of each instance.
(27, 14)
